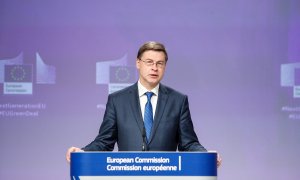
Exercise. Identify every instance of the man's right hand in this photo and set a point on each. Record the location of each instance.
(70, 150)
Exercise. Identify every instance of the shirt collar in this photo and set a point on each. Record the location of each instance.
(143, 90)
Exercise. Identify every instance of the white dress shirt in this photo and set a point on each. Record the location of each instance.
(143, 98)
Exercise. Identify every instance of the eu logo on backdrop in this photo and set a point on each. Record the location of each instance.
(18, 73)
(117, 74)
(122, 74)
(290, 77)
(121, 77)
(18, 79)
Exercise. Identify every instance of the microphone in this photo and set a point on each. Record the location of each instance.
(144, 147)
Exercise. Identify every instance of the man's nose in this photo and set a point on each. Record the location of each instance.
(154, 66)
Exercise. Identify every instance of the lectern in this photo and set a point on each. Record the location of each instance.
(143, 166)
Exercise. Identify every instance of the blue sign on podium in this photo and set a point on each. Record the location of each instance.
(143, 165)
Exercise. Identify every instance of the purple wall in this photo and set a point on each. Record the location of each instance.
(238, 61)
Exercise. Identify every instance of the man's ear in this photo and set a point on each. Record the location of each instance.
(137, 63)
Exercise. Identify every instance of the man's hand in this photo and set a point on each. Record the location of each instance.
(70, 150)
(219, 160)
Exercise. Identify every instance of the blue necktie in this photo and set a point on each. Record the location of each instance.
(148, 115)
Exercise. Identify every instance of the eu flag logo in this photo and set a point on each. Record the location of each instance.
(122, 74)
(18, 79)
(18, 73)
(121, 77)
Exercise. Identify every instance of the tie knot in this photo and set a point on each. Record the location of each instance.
(149, 95)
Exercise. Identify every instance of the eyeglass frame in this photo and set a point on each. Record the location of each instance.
(150, 62)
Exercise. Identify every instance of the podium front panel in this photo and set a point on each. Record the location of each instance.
(145, 165)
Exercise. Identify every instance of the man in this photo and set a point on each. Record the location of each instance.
(147, 115)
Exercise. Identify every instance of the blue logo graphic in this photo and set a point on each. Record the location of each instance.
(17, 77)
(122, 74)
(290, 77)
(18, 73)
(116, 74)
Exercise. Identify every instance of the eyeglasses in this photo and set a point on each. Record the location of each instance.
(159, 64)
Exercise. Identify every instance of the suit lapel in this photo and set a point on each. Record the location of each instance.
(161, 104)
(135, 106)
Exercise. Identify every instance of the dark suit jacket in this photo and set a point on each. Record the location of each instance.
(123, 123)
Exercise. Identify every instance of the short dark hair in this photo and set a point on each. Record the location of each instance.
(153, 46)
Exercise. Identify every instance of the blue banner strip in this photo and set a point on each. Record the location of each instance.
(143, 164)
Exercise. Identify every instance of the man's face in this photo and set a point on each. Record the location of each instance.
(150, 74)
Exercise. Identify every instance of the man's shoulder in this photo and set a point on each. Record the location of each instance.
(130, 89)
(170, 91)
